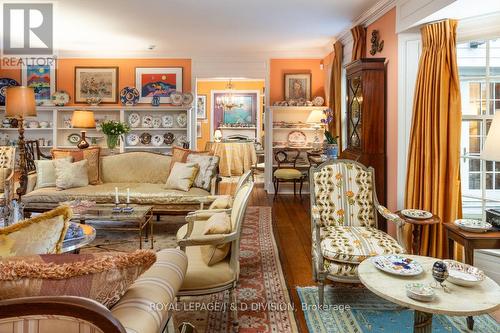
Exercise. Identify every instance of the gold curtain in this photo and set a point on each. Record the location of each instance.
(433, 176)
(359, 42)
(335, 90)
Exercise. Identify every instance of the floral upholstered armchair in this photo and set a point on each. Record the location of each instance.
(345, 230)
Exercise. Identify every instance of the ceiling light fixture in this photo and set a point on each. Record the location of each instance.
(228, 101)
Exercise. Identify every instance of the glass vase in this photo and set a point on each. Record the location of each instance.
(112, 140)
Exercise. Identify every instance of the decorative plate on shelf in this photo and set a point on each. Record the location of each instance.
(463, 274)
(182, 119)
(187, 99)
(398, 265)
(4, 84)
(132, 139)
(176, 98)
(156, 122)
(129, 96)
(157, 140)
(181, 139)
(297, 139)
(134, 120)
(147, 121)
(169, 138)
(417, 214)
(74, 138)
(167, 121)
(318, 101)
(60, 98)
(145, 138)
(473, 225)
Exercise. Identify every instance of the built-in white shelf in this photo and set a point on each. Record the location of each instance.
(148, 147)
(158, 129)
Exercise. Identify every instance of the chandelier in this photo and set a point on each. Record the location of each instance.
(228, 101)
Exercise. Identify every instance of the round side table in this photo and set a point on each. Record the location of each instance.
(417, 228)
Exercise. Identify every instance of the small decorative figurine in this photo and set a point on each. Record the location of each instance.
(440, 273)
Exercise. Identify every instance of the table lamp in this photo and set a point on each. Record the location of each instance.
(83, 119)
(218, 135)
(20, 104)
(315, 118)
(491, 149)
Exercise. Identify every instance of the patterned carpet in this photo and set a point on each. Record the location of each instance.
(370, 313)
(263, 301)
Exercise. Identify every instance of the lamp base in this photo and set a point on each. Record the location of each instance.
(83, 144)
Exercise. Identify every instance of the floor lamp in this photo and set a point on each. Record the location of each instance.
(491, 149)
(19, 104)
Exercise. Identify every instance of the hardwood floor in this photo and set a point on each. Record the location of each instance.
(292, 230)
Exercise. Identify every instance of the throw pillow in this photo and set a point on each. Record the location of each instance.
(219, 223)
(46, 172)
(182, 176)
(103, 277)
(208, 169)
(70, 175)
(4, 173)
(180, 154)
(90, 154)
(41, 234)
(222, 202)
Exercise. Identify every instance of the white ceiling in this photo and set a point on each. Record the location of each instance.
(194, 28)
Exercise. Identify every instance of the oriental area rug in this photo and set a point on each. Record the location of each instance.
(263, 301)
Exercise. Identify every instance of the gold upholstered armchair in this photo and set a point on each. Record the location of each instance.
(7, 165)
(344, 221)
(211, 240)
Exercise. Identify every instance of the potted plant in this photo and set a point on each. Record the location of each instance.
(331, 146)
(113, 130)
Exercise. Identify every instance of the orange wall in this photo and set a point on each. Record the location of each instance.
(65, 74)
(386, 26)
(281, 66)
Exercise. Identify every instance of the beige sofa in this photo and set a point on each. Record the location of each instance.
(144, 173)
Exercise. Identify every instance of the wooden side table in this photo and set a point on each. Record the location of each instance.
(417, 228)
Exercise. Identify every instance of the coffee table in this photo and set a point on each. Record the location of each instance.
(460, 301)
(102, 217)
(74, 245)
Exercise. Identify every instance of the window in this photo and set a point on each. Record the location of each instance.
(479, 70)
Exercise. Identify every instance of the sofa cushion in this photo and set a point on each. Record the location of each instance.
(352, 245)
(135, 167)
(90, 154)
(46, 172)
(218, 223)
(150, 194)
(222, 202)
(182, 176)
(103, 277)
(70, 175)
(207, 169)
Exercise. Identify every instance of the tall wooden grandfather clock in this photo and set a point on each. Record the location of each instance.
(366, 124)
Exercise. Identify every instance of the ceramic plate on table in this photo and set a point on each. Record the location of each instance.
(297, 139)
(156, 122)
(187, 99)
(182, 120)
(4, 84)
(473, 225)
(145, 138)
(134, 120)
(167, 121)
(147, 121)
(397, 265)
(74, 138)
(176, 98)
(463, 274)
(169, 138)
(417, 214)
(132, 139)
(157, 140)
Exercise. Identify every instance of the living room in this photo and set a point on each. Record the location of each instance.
(264, 166)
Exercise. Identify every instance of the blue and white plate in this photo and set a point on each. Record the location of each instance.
(129, 96)
(4, 84)
(397, 265)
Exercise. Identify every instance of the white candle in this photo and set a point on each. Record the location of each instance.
(116, 195)
(128, 195)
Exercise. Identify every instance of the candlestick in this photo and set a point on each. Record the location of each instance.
(128, 195)
(116, 196)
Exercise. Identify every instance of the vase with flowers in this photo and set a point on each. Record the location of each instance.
(331, 147)
(113, 130)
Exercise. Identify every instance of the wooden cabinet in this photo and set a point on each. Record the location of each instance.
(366, 124)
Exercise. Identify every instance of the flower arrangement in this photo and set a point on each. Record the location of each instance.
(113, 127)
(330, 139)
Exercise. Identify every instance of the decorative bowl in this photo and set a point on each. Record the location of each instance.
(129, 96)
(417, 214)
(420, 292)
(397, 265)
(473, 225)
(464, 275)
(94, 100)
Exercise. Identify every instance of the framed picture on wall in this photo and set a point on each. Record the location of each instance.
(157, 81)
(42, 78)
(201, 107)
(298, 86)
(96, 82)
(198, 129)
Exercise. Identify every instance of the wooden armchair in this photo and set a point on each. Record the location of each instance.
(344, 221)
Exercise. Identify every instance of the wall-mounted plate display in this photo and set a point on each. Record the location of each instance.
(145, 138)
(176, 98)
(182, 120)
(132, 139)
(187, 99)
(169, 138)
(74, 138)
(129, 96)
(157, 140)
(60, 98)
(156, 122)
(147, 121)
(167, 121)
(134, 120)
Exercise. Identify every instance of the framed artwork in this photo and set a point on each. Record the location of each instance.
(157, 81)
(198, 129)
(42, 78)
(96, 81)
(245, 113)
(201, 106)
(298, 86)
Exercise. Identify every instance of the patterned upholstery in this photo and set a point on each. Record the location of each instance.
(354, 244)
(344, 195)
(7, 165)
(287, 174)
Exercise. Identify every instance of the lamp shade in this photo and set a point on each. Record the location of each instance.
(20, 102)
(83, 119)
(491, 149)
(315, 116)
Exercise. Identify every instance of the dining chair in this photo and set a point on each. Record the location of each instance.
(286, 170)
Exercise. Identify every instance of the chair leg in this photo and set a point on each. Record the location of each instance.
(276, 187)
(321, 292)
(300, 188)
(234, 305)
(294, 183)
